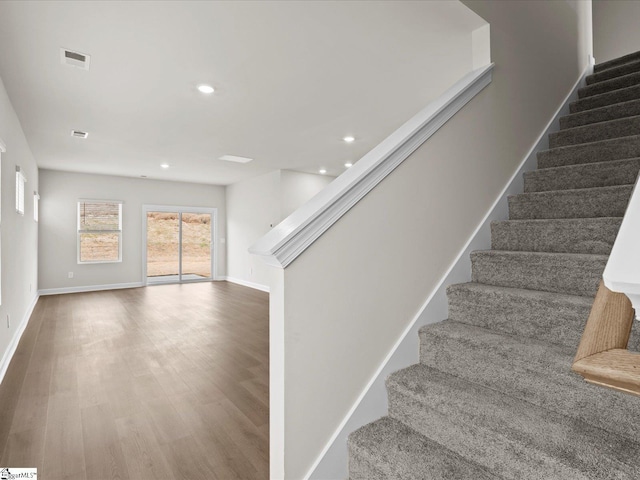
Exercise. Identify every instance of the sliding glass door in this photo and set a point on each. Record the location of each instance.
(179, 244)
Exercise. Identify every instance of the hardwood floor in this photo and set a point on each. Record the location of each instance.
(163, 382)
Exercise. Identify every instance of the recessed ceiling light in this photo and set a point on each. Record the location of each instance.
(164, 165)
(235, 158)
(348, 164)
(322, 171)
(348, 139)
(208, 89)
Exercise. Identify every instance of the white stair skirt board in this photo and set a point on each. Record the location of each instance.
(372, 403)
(13, 345)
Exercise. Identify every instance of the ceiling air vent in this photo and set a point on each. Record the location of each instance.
(79, 134)
(75, 59)
(234, 158)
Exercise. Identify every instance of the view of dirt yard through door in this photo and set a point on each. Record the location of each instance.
(163, 244)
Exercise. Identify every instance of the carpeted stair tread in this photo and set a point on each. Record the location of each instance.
(537, 372)
(387, 449)
(613, 72)
(595, 152)
(512, 438)
(569, 273)
(545, 316)
(562, 235)
(602, 114)
(610, 85)
(616, 62)
(585, 175)
(603, 99)
(622, 127)
(578, 203)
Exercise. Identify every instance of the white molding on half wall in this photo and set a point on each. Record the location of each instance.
(245, 283)
(282, 245)
(90, 288)
(372, 402)
(13, 345)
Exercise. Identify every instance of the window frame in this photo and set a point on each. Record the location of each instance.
(36, 206)
(20, 187)
(80, 231)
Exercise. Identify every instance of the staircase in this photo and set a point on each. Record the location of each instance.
(493, 395)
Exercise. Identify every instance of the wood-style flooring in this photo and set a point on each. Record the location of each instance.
(163, 382)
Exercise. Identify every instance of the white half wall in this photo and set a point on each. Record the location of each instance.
(615, 28)
(59, 193)
(19, 233)
(351, 295)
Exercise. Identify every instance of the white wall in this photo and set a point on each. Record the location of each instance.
(256, 205)
(60, 191)
(380, 261)
(615, 28)
(19, 237)
(298, 188)
(253, 207)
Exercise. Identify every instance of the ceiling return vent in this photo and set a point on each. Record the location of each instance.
(79, 134)
(75, 59)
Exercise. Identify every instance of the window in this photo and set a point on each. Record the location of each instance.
(20, 181)
(99, 231)
(36, 201)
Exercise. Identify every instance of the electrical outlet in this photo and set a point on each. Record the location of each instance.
(8, 321)
(70, 274)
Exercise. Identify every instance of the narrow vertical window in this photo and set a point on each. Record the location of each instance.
(20, 181)
(99, 231)
(36, 206)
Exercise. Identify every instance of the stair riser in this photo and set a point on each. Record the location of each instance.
(584, 203)
(573, 275)
(492, 430)
(361, 469)
(616, 62)
(594, 236)
(624, 127)
(605, 174)
(557, 322)
(604, 114)
(604, 99)
(610, 85)
(613, 73)
(608, 150)
(388, 449)
(536, 373)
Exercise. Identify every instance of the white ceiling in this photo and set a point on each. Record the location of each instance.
(291, 78)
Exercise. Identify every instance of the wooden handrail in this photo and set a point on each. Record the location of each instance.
(602, 357)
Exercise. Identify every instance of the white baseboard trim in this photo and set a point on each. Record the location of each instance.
(244, 283)
(372, 402)
(13, 345)
(90, 288)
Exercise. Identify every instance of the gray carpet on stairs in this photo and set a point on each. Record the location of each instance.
(596, 152)
(614, 72)
(602, 114)
(569, 177)
(494, 395)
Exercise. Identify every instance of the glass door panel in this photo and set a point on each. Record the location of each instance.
(163, 247)
(196, 246)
